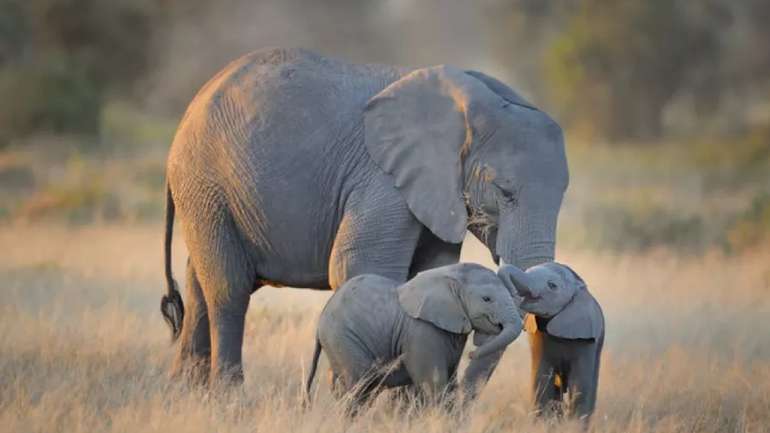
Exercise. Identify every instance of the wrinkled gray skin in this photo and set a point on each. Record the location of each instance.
(377, 333)
(290, 168)
(566, 335)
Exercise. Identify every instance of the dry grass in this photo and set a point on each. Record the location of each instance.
(83, 348)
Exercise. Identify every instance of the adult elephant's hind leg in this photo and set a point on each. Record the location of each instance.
(227, 278)
(193, 359)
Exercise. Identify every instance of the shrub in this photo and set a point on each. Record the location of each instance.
(56, 96)
(752, 227)
(621, 228)
(60, 59)
(73, 203)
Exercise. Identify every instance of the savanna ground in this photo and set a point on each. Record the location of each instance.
(674, 245)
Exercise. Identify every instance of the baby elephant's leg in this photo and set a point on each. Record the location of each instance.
(431, 382)
(357, 381)
(430, 372)
(582, 386)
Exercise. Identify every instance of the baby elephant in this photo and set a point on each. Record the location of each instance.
(377, 333)
(566, 328)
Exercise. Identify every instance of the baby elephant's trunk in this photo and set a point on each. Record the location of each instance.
(509, 333)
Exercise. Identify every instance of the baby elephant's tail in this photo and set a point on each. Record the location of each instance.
(313, 367)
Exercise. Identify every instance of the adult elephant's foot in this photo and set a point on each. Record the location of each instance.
(193, 371)
(227, 379)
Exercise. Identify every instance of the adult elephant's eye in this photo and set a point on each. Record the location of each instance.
(552, 285)
(507, 194)
(486, 299)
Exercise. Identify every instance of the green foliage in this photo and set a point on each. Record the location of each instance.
(621, 229)
(87, 186)
(752, 227)
(12, 29)
(616, 65)
(55, 96)
(692, 196)
(74, 203)
(61, 59)
(15, 175)
(125, 127)
(739, 157)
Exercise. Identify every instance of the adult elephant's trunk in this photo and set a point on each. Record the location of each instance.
(500, 341)
(527, 231)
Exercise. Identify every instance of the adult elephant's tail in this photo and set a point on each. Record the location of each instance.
(311, 374)
(171, 305)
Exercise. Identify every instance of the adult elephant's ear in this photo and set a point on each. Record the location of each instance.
(501, 89)
(582, 318)
(416, 130)
(432, 296)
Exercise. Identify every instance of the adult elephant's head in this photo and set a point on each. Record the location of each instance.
(467, 152)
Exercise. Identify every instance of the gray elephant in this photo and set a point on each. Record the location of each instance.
(378, 333)
(290, 168)
(566, 328)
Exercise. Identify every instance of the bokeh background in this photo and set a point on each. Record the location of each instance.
(666, 109)
(666, 104)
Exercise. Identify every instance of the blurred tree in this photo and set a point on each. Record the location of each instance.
(614, 68)
(199, 37)
(616, 65)
(520, 31)
(60, 59)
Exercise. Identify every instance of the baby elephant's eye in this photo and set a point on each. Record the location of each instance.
(486, 298)
(552, 285)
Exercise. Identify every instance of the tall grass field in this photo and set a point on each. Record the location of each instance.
(674, 242)
(83, 347)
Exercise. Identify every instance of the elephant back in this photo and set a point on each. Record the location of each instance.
(272, 125)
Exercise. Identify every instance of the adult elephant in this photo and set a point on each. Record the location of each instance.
(290, 168)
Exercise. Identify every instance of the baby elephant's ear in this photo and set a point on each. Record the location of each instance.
(580, 319)
(433, 298)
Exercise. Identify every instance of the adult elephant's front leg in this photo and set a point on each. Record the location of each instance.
(377, 235)
(432, 252)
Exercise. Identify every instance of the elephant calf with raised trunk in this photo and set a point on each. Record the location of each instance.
(379, 333)
(566, 328)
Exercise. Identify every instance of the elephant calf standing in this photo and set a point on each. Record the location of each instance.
(566, 328)
(377, 332)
